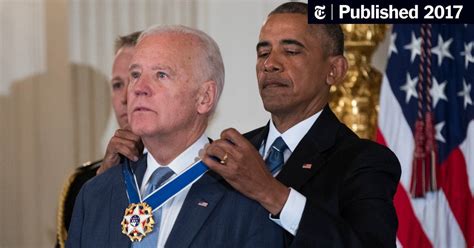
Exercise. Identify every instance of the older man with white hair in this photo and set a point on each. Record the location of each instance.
(168, 198)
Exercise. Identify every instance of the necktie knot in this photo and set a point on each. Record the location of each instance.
(158, 177)
(275, 159)
(279, 145)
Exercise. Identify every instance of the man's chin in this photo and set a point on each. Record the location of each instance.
(140, 130)
(272, 104)
(145, 132)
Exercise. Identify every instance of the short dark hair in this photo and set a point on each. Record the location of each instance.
(129, 40)
(334, 37)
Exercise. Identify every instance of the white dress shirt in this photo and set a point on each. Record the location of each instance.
(290, 215)
(178, 165)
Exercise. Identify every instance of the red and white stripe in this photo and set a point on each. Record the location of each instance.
(441, 219)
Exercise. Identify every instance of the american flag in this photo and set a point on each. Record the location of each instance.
(429, 80)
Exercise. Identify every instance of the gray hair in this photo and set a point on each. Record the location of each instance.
(210, 53)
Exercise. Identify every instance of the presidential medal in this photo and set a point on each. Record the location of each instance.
(137, 221)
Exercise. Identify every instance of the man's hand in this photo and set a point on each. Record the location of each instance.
(243, 167)
(123, 142)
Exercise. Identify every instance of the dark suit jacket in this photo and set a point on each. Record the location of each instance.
(229, 220)
(82, 175)
(349, 187)
(68, 197)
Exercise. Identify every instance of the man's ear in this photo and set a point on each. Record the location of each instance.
(337, 70)
(207, 97)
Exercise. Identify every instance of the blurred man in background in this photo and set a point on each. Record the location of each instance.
(123, 141)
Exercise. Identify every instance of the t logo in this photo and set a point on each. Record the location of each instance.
(319, 12)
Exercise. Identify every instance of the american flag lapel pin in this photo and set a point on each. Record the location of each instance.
(203, 204)
(307, 166)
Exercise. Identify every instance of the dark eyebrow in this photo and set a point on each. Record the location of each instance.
(292, 42)
(262, 44)
(283, 42)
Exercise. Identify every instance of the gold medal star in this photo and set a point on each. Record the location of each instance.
(138, 221)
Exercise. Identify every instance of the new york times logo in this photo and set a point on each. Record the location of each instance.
(319, 12)
(414, 11)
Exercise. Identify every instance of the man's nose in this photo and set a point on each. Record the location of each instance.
(124, 95)
(272, 63)
(141, 87)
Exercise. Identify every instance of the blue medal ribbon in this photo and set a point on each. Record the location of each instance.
(167, 191)
(130, 183)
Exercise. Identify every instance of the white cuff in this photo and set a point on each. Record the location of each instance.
(292, 211)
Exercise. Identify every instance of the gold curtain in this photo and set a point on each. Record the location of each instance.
(356, 100)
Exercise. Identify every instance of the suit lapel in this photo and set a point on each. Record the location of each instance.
(301, 166)
(118, 203)
(139, 168)
(201, 200)
(308, 156)
(259, 136)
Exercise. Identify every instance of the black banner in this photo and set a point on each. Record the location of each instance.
(371, 11)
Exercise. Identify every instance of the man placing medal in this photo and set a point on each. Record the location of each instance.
(168, 198)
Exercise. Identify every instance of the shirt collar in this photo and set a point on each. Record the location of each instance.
(292, 136)
(180, 163)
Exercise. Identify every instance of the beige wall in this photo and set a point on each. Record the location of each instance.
(38, 135)
(49, 122)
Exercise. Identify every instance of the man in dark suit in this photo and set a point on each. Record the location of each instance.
(331, 189)
(176, 77)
